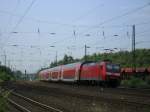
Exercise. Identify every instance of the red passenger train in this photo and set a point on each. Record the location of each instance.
(91, 72)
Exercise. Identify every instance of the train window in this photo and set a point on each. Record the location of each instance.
(112, 68)
(89, 64)
(109, 67)
(71, 65)
(92, 64)
(116, 67)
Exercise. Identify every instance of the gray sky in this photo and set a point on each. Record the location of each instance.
(29, 28)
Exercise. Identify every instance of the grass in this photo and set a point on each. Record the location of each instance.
(135, 82)
(1, 81)
(3, 101)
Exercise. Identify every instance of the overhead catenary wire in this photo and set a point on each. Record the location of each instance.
(72, 25)
(110, 36)
(86, 13)
(11, 15)
(22, 17)
(111, 19)
(74, 31)
(132, 11)
(119, 16)
(71, 38)
(20, 20)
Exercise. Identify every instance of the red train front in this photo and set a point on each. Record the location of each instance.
(105, 72)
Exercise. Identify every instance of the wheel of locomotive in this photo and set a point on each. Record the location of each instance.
(114, 83)
(103, 84)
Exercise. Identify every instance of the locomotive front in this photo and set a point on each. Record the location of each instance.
(112, 73)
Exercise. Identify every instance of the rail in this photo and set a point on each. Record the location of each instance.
(24, 109)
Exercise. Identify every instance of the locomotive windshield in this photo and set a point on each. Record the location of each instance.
(113, 68)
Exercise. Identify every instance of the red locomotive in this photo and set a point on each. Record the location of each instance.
(91, 72)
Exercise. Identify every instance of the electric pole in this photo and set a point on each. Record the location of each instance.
(133, 47)
(56, 57)
(25, 72)
(85, 52)
(5, 59)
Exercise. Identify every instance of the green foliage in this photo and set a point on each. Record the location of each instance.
(5, 69)
(3, 101)
(66, 60)
(148, 80)
(5, 73)
(135, 82)
(4, 76)
(17, 75)
(124, 58)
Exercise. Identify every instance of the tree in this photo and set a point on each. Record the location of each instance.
(124, 58)
(5, 73)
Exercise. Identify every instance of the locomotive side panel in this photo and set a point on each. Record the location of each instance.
(70, 72)
(90, 71)
(102, 68)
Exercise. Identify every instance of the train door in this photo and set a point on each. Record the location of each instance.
(102, 72)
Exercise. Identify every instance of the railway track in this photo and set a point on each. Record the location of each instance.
(122, 100)
(25, 104)
(130, 98)
(111, 100)
(131, 92)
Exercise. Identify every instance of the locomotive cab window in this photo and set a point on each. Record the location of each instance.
(113, 68)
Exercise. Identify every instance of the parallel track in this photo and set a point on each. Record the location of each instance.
(125, 101)
(131, 97)
(131, 92)
(18, 106)
(31, 102)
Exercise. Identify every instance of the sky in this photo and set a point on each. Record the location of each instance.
(32, 32)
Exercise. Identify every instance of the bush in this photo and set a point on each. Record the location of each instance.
(125, 82)
(135, 82)
(4, 76)
(148, 80)
(1, 81)
(3, 101)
